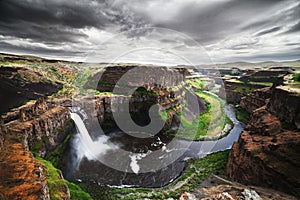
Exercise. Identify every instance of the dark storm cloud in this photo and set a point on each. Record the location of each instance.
(38, 33)
(218, 20)
(210, 23)
(59, 21)
(68, 13)
(36, 50)
(271, 30)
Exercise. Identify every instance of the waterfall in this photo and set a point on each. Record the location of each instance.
(86, 139)
(86, 146)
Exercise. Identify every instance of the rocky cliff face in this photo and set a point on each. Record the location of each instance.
(2, 133)
(22, 176)
(42, 128)
(256, 99)
(155, 85)
(286, 105)
(38, 127)
(141, 76)
(267, 154)
(234, 91)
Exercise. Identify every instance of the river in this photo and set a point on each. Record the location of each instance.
(118, 160)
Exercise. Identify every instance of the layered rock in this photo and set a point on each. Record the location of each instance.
(137, 76)
(41, 128)
(2, 132)
(234, 91)
(267, 154)
(286, 105)
(256, 99)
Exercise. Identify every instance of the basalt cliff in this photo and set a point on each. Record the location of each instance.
(267, 152)
(40, 129)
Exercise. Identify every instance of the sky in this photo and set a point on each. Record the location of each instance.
(152, 31)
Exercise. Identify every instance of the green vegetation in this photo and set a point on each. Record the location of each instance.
(267, 84)
(83, 77)
(197, 83)
(55, 156)
(141, 91)
(244, 90)
(56, 184)
(197, 170)
(242, 115)
(296, 77)
(209, 123)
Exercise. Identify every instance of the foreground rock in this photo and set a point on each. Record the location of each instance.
(267, 152)
(33, 127)
(21, 180)
(216, 187)
(42, 128)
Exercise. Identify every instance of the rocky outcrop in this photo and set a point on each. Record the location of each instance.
(2, 132)
(42, 128)
(39, 128)
(286, 105)
(266, 155)
(234, 91)
(21, 175)
(256, 99)
(141, 76)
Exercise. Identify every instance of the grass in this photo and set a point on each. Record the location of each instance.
(56, 184)
(197, 83)
(242, 115)
(197, 170)
(55, 156)
(267, 84)
(244, 90)
(296, 77)
(209, 123)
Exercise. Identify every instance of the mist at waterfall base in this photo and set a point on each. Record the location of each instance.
(83, 163)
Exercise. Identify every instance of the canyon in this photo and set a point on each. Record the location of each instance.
(266, 153)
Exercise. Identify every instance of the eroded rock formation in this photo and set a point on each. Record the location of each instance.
(39, 128)
(20, 180)
(256, 99)
(267, 153)
(285, 105)
(42, 128)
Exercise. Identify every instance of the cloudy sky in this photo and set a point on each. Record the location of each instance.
(155, 31)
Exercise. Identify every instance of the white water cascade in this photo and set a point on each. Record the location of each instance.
(86, 146)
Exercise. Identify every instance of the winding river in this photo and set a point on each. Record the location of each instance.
(133, 169)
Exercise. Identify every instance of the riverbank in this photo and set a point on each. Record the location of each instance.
(196, 171)
(211, 124)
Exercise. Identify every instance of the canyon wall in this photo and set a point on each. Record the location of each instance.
(267, 153)
(141, 76)
(42, 128)
(234, 91)
(37, 127)
(285, 105)
(155, 85)
(256, 99)
(2, 132)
